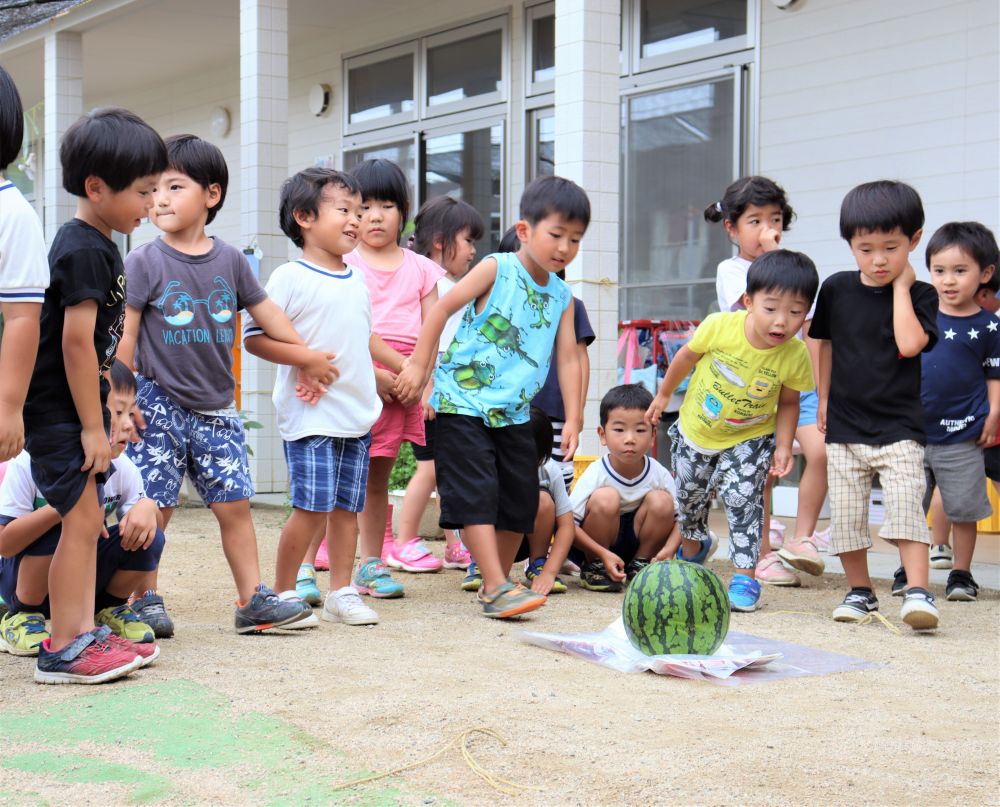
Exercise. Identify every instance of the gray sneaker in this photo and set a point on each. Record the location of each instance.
(150, 609)
(265, 611)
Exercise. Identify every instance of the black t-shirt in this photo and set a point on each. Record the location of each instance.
(874, 392)
(84, 265)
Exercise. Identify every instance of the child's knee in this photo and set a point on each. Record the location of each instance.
(604, 502)
(658, 504)
(546, 505)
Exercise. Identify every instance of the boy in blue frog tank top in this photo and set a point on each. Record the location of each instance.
(516, 310)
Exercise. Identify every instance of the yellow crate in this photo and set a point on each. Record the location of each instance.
(991, 524)
(580, 464)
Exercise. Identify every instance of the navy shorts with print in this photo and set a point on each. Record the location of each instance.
(210, 448)
(328, 473)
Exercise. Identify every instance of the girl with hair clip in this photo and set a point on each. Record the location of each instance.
(755, 212)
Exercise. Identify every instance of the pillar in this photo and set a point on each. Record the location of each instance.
(63, 86)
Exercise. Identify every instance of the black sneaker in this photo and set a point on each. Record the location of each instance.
(265, 611)
(634, 566)
(594, 577)
(961, 587)
(919, 611)
(150, 609)
(858, 604)
(899, 582)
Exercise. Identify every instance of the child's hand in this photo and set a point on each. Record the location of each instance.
(139, 421)
(570, 439)
(385, 384)
(410, 383)
(989, 435)
(906, 278)
(821, 416)
(11, 433)
(308, 389)
(614, 566)
(770, 239)
(138, 526)
(96, 451)
(656, 410)
(782, 461)
(662, 555)
(319, 366)
(543, 583)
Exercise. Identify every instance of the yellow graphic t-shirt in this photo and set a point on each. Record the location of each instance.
(733, 394)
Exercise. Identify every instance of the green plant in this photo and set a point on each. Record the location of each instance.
(404, 468)
(248, 424)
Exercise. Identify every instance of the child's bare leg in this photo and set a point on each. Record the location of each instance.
(482, 542)
(940, 526)
(545, 524)
(765, 535)
(73, 570)
(913, 554)
(964, 537)
(372, 520)
(124, 582)
(152, 578)
(33, 579)
(507, 545)
(239, 543)
(654, 521)
(310, 556)
(296, 537)
(602, 518)
(812, 486)
(342, 529)
(855, 565)
(418, 493)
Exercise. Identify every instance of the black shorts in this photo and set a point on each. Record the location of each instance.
(486, 475)
(991, 456)
(56, 459)
(425, 452)
(626, 544)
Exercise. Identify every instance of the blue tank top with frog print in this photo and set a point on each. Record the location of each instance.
(499, 358)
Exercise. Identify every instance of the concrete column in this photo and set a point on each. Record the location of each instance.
(263, 167)
(63, 106)
(588, 131)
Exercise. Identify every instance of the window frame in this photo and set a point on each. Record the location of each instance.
(531, 14)
(532, 116)
(375, 57)
(457, 34)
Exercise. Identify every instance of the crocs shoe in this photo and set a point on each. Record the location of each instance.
(777, 534)
(374, 579)
(322, 563)
(456, 556)
(509, 600)
(821, 540)
(124, 622)
(345, 605)
(703, 555)
(744, 593)
(533, 568)
(22, 633)
(801, 554)
(305, 585)
(473, 579)
(89, 659)
(772, 572)
(266, 610)
(941, 556)
(151, 610)
(148, 652)
(413, 556)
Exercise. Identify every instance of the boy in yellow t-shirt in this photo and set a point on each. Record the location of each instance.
(739, 414)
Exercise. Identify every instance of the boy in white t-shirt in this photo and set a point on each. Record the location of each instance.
(327, 441)
(624, 502)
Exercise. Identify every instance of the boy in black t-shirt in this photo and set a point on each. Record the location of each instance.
(111, 160)
(873, 325)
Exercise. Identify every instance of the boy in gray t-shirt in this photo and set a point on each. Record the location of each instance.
(183, 294)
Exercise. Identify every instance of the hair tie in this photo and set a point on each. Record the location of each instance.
(718, 206)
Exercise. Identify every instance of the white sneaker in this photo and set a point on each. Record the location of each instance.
(941, 556)
(308, 619)
(919, 611)
(345, 605)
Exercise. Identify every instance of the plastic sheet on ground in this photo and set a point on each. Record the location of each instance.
(742, 659)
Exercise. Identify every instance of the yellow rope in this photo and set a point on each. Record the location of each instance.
(461, 739)
(867, 619)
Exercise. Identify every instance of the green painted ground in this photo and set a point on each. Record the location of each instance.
(176, 742)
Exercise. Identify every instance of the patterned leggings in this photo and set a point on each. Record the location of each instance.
(738, 474)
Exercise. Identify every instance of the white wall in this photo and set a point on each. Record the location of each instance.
(857, 90)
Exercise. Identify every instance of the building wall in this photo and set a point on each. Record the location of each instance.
(855, 90)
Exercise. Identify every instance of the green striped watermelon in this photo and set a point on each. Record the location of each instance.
(676, 607)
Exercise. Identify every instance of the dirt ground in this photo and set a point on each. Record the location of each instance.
(330, 702)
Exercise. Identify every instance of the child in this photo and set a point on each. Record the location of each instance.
(484, 453)
(446, 232)
(184, 290)
(24, 275)
(403, 288)
(960, 391)
(624, 502)
(127, 551)
(738, 417)
(755, 212)
(873, 325)
(110, 161)
(326, 444)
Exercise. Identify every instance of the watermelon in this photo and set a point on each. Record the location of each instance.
(676, 607)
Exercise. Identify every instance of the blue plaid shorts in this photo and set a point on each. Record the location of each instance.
(328, 473)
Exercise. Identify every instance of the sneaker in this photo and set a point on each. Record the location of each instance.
(941, 557)
(322, 563)
(23, 632)
(345, 605)
(821, 540)
(473, 579)
(148, 652)
(413, 556)
(151, 610)
(857, 605)
(708, 547)
(634, 566)
(772, 572)
(960, 588)
(744, 593)
(89, 659)
(510, 599)
(308, 619)
(456, 556)
(373, 578)
(801, 554)
(305, 585)
(533, 568)
(919, 611)
(899, 582)
(594, 577)
(777, 534)
(265, 611)
(124, 622)
(570, 568)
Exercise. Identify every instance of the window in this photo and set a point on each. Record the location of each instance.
(402, 153)
(542, 140)
(541, 49)
(464, 67)
(380, 88)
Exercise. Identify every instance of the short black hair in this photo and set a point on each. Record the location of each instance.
(385, 181)
(11, 120)
(202, 161)
(541, 428)
(747, 191)
(443, 218)
(122, 379)
(509, 242)
(881, 207)
(113, 144)
(303, 192)
(973, 238)
(551, 195)
(625, 396)
(783, 270)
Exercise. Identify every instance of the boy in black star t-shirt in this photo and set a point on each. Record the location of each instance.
(111, 160)
(873, 325)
